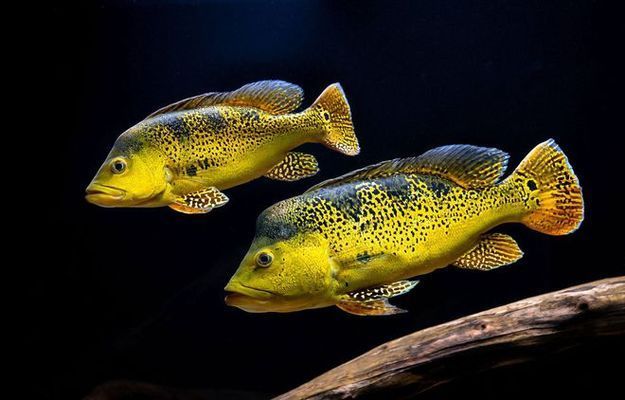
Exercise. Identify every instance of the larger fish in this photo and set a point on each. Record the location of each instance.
(184, 154)
(355, 241)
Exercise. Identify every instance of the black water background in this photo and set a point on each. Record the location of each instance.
(137, 294)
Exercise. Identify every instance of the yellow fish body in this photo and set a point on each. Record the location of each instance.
(355, 241)
(184, 154)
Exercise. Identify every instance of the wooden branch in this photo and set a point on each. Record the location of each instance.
(506, 335)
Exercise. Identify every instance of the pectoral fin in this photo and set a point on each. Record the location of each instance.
(295, 166)
(492, 251)
(374, 301)
(200, 202)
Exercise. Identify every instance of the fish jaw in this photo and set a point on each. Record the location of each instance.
(247, 298)
(254, 300)
(103, 195)
(110, 196)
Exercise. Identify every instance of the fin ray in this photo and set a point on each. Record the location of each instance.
(492, 251)
(336, 115)
(374, 300)
(200, 202)
(370, 308)
(466, 165)
(295, 166)
(559, 200)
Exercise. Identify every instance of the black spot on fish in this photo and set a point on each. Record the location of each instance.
(531, 185)
(397, 187)
(211, 121)
(249, 115)
(191, 170)
(126, 145)
(345, 198)
(272, 225)
(439, 188)
(177, 127)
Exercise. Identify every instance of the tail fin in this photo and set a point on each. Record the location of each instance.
(337, 120)
(559, 204)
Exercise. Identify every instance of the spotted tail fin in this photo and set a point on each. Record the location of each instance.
(559, 206)
(336, 118)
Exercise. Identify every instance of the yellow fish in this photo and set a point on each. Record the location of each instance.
(355, 241)
(184, 154)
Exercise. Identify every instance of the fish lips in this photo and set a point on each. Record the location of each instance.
(248, 298)
(103, 195)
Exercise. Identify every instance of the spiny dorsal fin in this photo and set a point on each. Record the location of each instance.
(274, 97)
(466, 165)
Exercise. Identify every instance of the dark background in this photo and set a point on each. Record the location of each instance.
(137, 294)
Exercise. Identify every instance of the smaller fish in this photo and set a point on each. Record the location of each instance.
(358, 240)
(185, 154)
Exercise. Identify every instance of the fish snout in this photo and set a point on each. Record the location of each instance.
(103, 195)
(237, 293)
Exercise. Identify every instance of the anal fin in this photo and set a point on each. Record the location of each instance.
(295, 166)
(199, 202)
(374, 301)
(492, 251)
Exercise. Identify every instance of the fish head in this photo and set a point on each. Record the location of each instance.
(284, 273)
(132, 175)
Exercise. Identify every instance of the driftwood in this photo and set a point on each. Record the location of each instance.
(506, 335)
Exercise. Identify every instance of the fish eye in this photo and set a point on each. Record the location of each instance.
(118, 166)
(264, 259)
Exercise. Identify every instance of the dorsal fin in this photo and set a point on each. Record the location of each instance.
(466, 165)
(274, 97)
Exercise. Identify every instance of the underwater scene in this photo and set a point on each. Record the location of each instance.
(328, 199)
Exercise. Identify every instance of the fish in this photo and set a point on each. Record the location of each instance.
(360, 239)
(184, 154)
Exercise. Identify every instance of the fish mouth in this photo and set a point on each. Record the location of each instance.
(248, 298)
(240, 290)
(103, 195)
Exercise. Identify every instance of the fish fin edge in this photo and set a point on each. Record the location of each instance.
(200, 202)
(380, 307)
(272, 96)
(374, 300)
(492, 251)
(293, 167)
(556, 191)
(336, 116)
(466, 165)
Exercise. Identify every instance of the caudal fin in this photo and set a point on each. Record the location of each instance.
(555, 191)
(336, 118)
